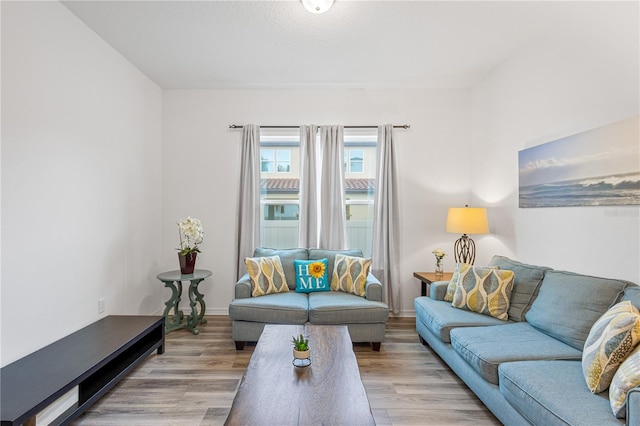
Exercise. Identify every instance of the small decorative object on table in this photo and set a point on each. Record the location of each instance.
(301, 351)
(191, 234)
(439, 254)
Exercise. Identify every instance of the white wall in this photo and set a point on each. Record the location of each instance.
(550, 89)
(201, 156)
(81, 157)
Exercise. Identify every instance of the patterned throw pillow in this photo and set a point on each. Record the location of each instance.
(626, 378)
(267, 275)
(612, 337)
(485, 290)
(350, 274)
(461, 268)
(311, 275)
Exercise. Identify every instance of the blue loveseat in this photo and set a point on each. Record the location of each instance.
(365, 317)
(527, 370)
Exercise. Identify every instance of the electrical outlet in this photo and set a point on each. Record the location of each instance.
(101, 304)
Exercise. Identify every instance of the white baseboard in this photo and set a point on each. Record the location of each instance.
(408, 313)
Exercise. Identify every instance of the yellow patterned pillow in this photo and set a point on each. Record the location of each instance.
(267, 275)
(461, 268)
(626, 378)
(485, 290)
(350, 274)
(610, 340)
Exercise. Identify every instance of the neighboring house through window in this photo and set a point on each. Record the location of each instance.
(280, 183)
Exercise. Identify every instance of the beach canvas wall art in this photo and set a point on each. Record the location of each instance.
(599, 167)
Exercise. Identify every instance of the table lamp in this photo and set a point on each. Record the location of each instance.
(466, 220)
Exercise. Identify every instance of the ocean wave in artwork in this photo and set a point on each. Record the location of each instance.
(623, 189)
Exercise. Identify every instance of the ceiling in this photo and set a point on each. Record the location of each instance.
(356, 44)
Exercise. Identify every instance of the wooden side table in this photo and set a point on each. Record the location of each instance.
(173, 280)
(427, 278)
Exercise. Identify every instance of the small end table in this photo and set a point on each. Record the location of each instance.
(173, 280)
(427, 278)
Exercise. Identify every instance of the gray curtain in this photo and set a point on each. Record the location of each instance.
(249, 197)
(386, 220)
(333, 222)
(308, 217)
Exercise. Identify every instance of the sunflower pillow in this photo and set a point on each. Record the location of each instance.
(311, 275)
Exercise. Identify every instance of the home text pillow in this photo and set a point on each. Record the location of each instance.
(461, 268)
(485, 290)
(626, 378)
(350, 274)
(311, 275)
(267, 275)
(612, 337)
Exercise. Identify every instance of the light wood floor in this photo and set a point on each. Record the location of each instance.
(195, 380)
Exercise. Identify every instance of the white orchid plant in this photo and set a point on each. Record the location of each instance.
(191, 234)
(439, 254)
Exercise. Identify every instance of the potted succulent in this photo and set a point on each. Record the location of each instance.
(300, 347)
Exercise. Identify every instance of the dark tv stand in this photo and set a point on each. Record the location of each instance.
(94, 358)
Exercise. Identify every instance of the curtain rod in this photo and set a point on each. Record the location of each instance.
(240, 126)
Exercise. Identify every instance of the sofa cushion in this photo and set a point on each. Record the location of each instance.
(343, 308)
(279, 308)
(568, 304)
(440, 318)
(311, 275)
(484, 290)
(525, 285)
(266, 275)
(330, 255)
(287, 256)
(350, 274)
(632, 294)
(553, 393)
(613, 336)
(626, 378)
(485, 348)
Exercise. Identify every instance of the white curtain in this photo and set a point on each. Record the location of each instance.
(249, 198)
(333, 222)
(308, 217)
(385, 220)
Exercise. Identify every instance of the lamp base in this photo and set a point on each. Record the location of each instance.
(464, 250)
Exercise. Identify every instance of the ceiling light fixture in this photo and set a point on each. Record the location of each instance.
(317, 6)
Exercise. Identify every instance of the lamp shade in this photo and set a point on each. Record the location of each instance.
(467, 220)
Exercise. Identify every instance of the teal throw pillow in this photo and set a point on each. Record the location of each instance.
(311, 275)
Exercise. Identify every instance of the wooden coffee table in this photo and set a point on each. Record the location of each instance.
(329, 391)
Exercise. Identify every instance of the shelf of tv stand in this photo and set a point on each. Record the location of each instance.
(94, 358)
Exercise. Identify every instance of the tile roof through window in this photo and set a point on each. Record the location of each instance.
(293, 185)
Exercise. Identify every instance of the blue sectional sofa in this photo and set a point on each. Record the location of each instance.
(527, 370)
(365, 317)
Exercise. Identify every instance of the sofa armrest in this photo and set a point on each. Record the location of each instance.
(373, 289)
(243, 287)
(438, 289)
(633, 407)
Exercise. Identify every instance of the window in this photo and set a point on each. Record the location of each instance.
(279, 183)
(275, 160)
(274, 211)
(359, 156)
(266, 160)
(353, 161)
(283, 160)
